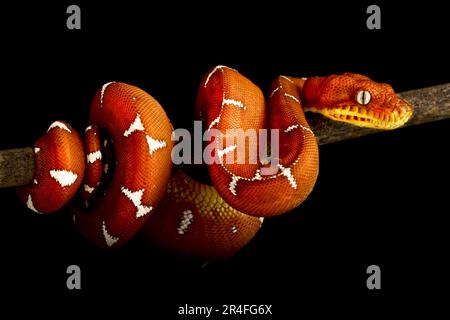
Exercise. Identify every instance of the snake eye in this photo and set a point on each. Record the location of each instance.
(363, 97)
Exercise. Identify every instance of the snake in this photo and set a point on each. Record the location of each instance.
(120, 180)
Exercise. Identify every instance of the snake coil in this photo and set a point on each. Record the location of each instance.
(171, 209)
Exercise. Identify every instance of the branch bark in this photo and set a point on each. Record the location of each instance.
(16, 167)
(430, 104)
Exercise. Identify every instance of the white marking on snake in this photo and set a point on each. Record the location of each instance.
(30, 204)
(154, 144)
(234, 229)
(135, 126)
(233, 102)
(295, 126)
(288, 174)
(136, 198)
(261, 219)
(64, 177)
(35, 181)
(228, 149)
(102, 92)
(105, 143)
(94, 156)
(290, 128)
(211, 73)
(109, 239)
(106, 168)
(214, 71)
(215, 121)
(288, 79)
(36, 150)
(306, 129)
(87, 129)
(292, 97)
(257, 176)
(58, 124)
(233, 184)
(186, 220)
(88, 189)
(274, 91)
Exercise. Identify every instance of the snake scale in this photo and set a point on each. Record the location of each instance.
(120, 180)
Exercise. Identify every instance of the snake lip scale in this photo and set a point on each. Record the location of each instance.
(172, 210)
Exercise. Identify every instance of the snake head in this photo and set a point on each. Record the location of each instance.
(356, 99)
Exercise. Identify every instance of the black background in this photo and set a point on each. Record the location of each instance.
(381, 199)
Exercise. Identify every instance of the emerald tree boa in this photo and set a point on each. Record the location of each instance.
(120, 180)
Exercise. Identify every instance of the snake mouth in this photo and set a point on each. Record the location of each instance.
(360, 116)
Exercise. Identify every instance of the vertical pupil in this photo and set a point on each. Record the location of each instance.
(364, 97)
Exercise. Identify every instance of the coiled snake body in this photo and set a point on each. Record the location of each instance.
(173, 210)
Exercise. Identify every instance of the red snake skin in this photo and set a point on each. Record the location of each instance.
(195, 219)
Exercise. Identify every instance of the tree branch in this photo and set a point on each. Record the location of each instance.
(16, 167)
(430, 104)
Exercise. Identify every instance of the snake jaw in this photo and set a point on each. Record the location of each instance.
(362, 117)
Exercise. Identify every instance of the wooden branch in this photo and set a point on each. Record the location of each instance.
(16, 167)
(430, 104)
